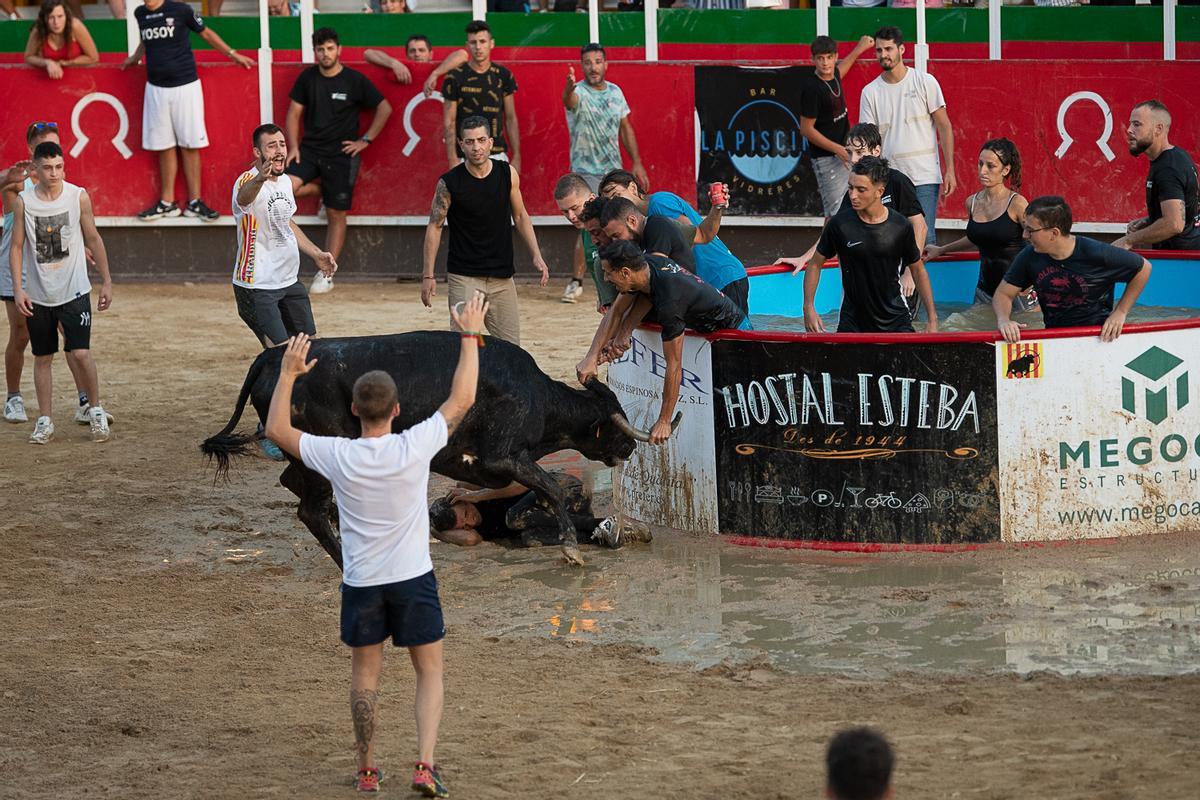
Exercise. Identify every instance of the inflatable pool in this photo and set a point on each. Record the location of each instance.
(951, 438)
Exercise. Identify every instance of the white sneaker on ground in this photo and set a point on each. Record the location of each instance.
(573, 291)
(43, 431)
(320, 284)
(607, 533)
(83, 416)
(99, 423)
(14, 409)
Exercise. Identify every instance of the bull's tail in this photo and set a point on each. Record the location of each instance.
(224, 446)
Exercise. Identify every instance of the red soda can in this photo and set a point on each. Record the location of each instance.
(718, 195)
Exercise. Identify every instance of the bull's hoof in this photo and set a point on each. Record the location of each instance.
(571, 554)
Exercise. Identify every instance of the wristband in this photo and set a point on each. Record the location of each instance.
(476, 335)
(428, 278)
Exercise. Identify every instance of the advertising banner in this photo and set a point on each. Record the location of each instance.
(673, 484)
(1099, 439)
(99, 112)
(750, 138)
(856, 443)
(1070, 132)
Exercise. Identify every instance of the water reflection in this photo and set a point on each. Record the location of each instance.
(699, 601)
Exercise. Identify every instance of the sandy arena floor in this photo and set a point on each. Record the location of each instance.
(163, 636)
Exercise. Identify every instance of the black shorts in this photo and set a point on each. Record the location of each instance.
(336, 171)
(739, 292)
(8, 298)
(848, 324)
(408, 611)
(75, 318)
(275, 314)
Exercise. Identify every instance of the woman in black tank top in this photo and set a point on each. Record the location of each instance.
(995, 215)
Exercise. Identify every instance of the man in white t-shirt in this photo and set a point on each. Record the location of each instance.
(381, 483)
(910, 111)
(271, 300)
(52, 225)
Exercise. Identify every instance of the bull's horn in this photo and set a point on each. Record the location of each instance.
(642, 436)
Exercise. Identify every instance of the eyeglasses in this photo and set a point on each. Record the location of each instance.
(1033, 230)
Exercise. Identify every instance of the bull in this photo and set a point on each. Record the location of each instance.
(520, 415)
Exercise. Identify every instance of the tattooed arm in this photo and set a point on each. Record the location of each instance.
(433, 240)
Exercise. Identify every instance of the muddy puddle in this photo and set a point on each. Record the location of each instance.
(1122, 607)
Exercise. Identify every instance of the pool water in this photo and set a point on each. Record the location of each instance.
(966, 317)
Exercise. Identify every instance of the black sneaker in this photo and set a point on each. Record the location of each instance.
(196, 208)
(158, 211)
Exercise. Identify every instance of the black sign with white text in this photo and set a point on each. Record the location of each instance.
(856, 442)
(750, 139)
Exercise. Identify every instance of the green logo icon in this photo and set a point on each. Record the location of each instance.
(1159, 381)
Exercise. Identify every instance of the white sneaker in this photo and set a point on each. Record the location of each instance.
(99, 423)
(320, 284)
(83, 416)
(14, 410)
(573, 291)
(43, 432)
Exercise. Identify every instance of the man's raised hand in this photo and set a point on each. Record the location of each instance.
(468, 315)
(295, 358)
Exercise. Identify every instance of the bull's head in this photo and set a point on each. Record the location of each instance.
(615, 437)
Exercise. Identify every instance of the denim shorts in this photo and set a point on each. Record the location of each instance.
(833, 178)
(408, 611)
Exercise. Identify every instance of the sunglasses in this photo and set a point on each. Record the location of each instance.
(43, 126)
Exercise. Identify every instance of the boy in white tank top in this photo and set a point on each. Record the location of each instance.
(53, 222)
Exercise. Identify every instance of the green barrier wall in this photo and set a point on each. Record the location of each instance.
(681, 26)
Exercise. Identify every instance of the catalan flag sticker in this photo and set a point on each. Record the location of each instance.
(1024, 360)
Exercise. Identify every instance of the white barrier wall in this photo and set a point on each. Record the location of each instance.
(1099, 440)
(675, 484)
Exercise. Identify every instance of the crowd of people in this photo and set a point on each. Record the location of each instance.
(651, 256)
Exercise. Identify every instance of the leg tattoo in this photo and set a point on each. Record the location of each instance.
(362, 709)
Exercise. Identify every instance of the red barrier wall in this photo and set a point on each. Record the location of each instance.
(985, 99)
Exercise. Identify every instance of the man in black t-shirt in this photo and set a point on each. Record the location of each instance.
(1074, 275)
(481, 199)
(655, 288)
(900, 194)
(173, 108)
(1172, 220)
(873, 244)
(328, 96)
(480, 88)
(467, 516)
(824, 120)
(657, 234)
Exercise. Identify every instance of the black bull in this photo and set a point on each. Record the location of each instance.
(520, 414)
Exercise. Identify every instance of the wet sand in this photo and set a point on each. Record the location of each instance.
(165, 636)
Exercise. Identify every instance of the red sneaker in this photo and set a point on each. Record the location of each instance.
(427, 780)
(368, 780)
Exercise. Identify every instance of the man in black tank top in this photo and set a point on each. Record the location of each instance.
(1172, 220)
(480, 197)
(873, 244)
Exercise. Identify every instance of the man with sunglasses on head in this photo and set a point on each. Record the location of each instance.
(20, 177)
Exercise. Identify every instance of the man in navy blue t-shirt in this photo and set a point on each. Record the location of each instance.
(173, 111)
(1074, 275)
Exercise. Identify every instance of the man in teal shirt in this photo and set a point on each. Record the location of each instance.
(598, 123)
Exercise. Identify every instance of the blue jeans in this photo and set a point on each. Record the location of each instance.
(927, 196)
